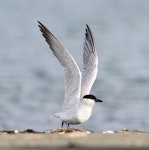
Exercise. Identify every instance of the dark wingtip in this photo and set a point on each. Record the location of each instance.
(39, 23)
(88, 28)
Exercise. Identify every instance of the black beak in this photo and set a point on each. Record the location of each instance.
(98, 100)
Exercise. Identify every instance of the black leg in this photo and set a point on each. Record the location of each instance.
(62, 124)
(68, 125)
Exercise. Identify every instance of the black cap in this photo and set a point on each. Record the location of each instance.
(92, 97)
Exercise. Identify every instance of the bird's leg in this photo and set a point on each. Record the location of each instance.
(62, 124)
(68, 125)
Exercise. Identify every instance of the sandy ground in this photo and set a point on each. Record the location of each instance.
(73, 139)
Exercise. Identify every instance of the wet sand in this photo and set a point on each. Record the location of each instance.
(73, 139)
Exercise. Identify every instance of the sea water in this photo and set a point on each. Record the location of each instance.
(31, 79)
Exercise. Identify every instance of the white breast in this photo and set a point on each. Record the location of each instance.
(77, 115)
(85, 109)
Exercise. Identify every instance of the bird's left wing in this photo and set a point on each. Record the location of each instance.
(72, 73)
(90, 63)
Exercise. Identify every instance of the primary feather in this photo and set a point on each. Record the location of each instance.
(90, 63)
(72, 75)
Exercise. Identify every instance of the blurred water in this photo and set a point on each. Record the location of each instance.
(31, 79)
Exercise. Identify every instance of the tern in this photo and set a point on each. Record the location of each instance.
(78, 102)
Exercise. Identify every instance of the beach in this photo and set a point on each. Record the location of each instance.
(74, 139)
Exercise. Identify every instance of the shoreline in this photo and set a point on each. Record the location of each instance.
(70, 138)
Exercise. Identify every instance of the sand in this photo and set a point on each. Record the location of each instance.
(73, 139)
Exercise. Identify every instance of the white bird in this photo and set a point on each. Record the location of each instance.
(78, 103)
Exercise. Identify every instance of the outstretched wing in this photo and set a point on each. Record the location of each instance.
(90, 63)
(72, 73)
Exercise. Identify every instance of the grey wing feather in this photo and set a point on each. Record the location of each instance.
(90, 63)
(72, 73)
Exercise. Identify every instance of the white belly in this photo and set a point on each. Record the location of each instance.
(77, 117)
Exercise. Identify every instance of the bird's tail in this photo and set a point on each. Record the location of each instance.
(57, 115)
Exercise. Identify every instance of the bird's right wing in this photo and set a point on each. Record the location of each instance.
(90, 63)
(72, 73)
